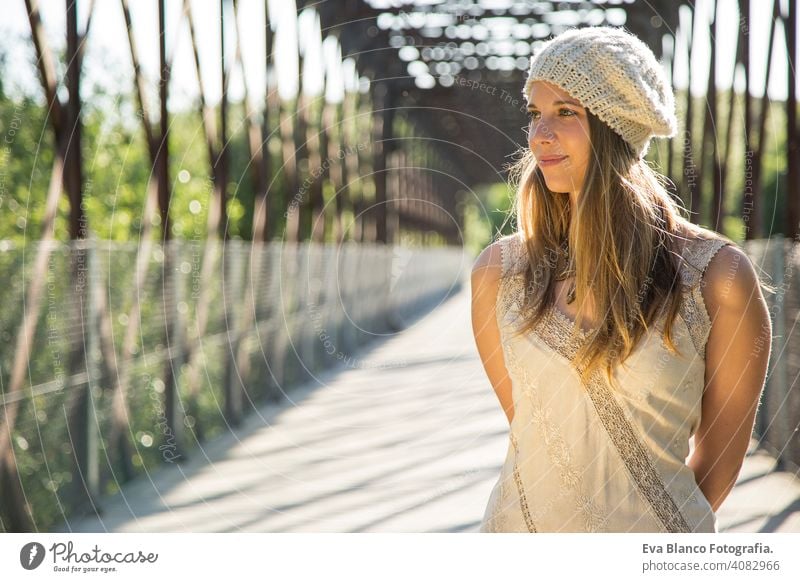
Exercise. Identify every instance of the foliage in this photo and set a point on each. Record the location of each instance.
(486, 216)
(116, 172)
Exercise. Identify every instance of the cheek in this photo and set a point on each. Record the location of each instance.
(581, 142)
(586, 137)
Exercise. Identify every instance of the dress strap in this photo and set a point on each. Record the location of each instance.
(697, 255)
(510, 295)
(513, 253)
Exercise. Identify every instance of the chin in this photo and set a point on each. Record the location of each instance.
(559, 188)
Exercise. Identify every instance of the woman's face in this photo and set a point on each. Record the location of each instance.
(558, 136)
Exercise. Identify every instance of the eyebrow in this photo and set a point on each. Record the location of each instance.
(575, 103)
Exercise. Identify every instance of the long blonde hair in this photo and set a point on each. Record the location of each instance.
(624, 248)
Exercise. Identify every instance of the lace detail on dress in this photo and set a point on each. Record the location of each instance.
(523, 499)
(697, 255)
(635, 456)
(556, 333)
(498, 522)
(512, 252)
(509, 297)
(558, 452)
(510, 291)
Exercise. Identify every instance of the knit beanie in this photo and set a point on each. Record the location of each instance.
(615, 76)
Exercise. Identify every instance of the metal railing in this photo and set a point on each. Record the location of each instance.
(778, 418)
(141, 352)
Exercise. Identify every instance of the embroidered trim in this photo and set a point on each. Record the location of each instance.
(694, 312)
(509, 296)
(512, 251)
(510, 289)
(635, 456)
(555, 333)
(500, 518)
(594, 518)
(498, 521)
(558, 451)
(523, 500)
(696, 257)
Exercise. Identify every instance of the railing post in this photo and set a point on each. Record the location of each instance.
(271, 338)
(176, 308)
(303, 334)
(280, 336)
(773, 428)
(780, 428)
(93, 371)
(233, 303)
(307, 333)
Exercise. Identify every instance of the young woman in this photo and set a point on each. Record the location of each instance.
(613, 330)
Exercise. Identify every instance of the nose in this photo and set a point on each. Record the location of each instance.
(539, 131)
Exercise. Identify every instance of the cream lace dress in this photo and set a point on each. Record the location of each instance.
(584, 458)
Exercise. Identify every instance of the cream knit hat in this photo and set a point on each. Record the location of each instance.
(614, 75)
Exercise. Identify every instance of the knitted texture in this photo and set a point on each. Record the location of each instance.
(615, 76)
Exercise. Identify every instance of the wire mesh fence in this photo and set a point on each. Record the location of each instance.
(778, 420)
(139, 352)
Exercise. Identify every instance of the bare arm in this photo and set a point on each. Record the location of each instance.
(486, 274)
(737, 354)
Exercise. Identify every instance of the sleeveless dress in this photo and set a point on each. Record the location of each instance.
(589, 458)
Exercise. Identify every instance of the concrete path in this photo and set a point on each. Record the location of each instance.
(411, 440)
(763, 500)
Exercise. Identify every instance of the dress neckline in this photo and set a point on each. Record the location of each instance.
(569, 324)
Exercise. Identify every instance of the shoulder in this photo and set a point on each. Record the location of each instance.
(500, 257)
(724, 269)
(487, 270)
(702, 248)
(730, 285)
(496, 262)
(490, 260)
(730, 281)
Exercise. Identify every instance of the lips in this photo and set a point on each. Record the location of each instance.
(551, 160)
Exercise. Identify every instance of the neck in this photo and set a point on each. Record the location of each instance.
(572, 214)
